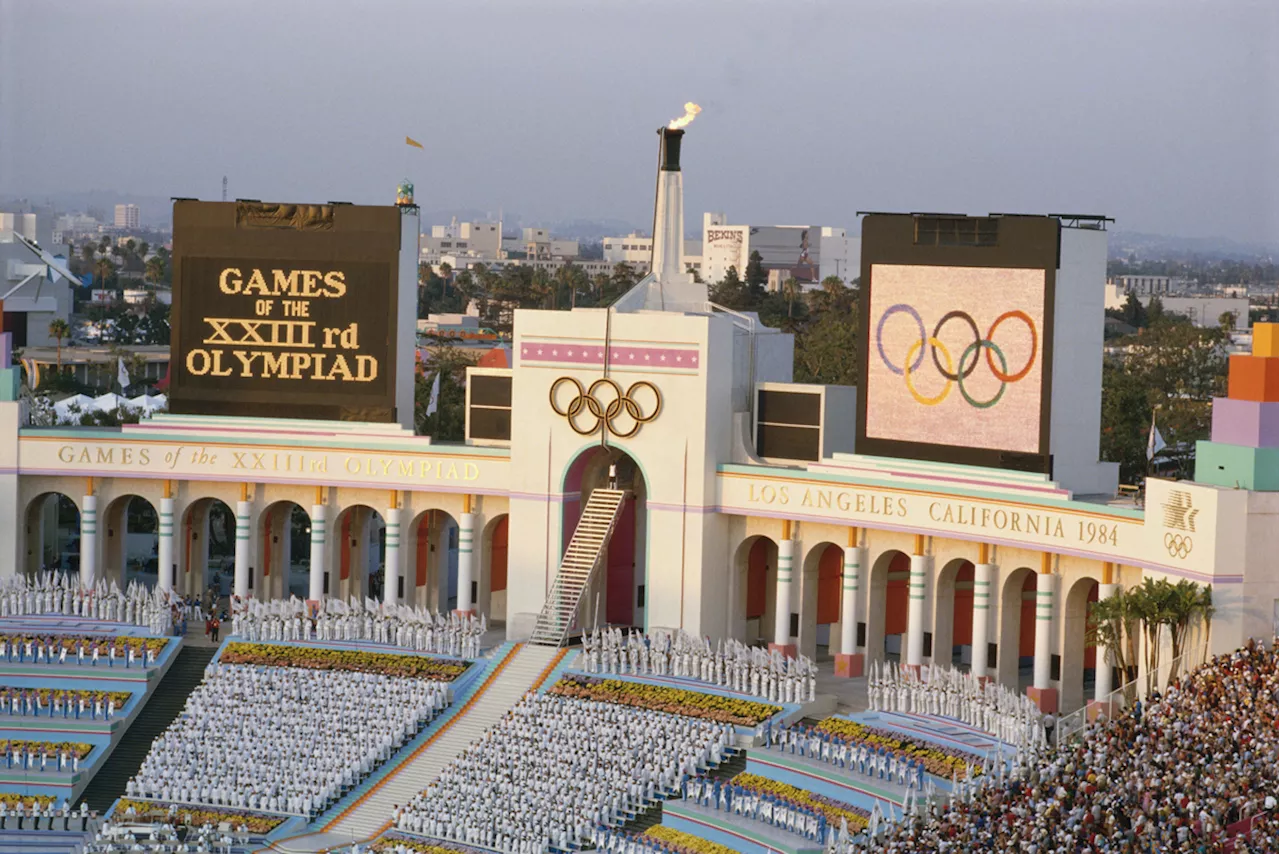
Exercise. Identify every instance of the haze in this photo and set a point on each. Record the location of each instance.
(1162, 114)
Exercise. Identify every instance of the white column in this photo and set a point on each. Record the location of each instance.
(316, 571)
(1103, 658)
(983, 576)
(916, 586)
(782, 599)
(241, 587)
(1044, 629)
(855, 557)
(89, 541)
(164, 547)
(466, 531)
(391, 563)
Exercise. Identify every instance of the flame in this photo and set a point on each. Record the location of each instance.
(691, 111)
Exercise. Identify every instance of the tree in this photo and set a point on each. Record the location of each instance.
(154, 273)
(729, 291)
(59, 329)
(103, 268)
(143, 248)
(88, 251)
(448, 422)
(756, 277)
(790, 290)
(826, 351)
(1113, 625)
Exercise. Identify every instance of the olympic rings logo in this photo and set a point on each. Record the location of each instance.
(1178, 545)
(606, 413)
(956, 373)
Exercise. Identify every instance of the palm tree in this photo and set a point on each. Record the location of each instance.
(1113, 625)
(155, 270)
(103, 268)
(130, 245)
(143, 248)
(59, 329)
(88, 250)
(790, 290)
(1188, 603)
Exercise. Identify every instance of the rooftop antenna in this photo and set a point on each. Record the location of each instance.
(224, 188)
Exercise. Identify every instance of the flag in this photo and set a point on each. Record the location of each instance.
(1155, 442)
(433, 402)
(122, 374)
(408, 140)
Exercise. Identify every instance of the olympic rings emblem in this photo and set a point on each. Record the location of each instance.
(606, 413)
(951, 371)
(1178, 545)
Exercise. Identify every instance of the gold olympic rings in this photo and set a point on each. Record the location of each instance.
(606, 412)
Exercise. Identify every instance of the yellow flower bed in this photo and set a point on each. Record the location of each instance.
(122, 643)
(193, 816)
(318, 658)
(50, 748)
(686, 843)
(46, 695)
(660, 698)
(391, 844)
(12, 801)
(818, 803)
(937, 760)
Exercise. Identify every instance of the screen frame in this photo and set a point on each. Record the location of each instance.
(1023, 242)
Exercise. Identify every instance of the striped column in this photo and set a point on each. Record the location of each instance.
(315, 587)
(1044, 630)
(89, 541)
(242, 550)
(782, 599)
(916, 586)
(983, 579)
(1104, 660)
(855, 557)
(466, 531)
(391, 563)
(164, 547)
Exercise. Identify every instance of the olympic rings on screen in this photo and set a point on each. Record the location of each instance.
(606, 413)
(969, 358)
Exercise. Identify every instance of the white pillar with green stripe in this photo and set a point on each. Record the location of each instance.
(916, 586)
(466, 533)
(315, 578)
(1044, 629)
(242, 549)
(983, 581)
(782, 603)
(391, 560)
(855, 558)
(89, 541)
(164, 546)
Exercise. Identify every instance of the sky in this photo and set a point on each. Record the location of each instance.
(1160, 113)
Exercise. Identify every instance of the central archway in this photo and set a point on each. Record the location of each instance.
(616, 595)
(887, 606)
(53, 533)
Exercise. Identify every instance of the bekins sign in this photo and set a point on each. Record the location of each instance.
(1083, 529)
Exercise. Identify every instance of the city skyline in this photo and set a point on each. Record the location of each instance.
(1160, 115)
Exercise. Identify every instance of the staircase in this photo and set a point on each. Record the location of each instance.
(586, 548)
(522, 670)
(162, 708)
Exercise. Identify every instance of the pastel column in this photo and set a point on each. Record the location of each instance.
(917, 584)
(242, 549)
(391, 562)
(1042, 690)
(466, 533)
(89, 540)
(164, 546)
(849, 662)
(983, 574)
(315, 588)
(782, 598)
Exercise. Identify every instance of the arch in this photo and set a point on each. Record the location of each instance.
(753, 584)
(1017, 642)
(129, 534)
(429, 560)
(206, 550)
(52, 533)
(820, 596)
(360, 542)
(493, 569)
(953, 613)
(1079, 658)
(887, 606)
(617, 595)
(284, 537)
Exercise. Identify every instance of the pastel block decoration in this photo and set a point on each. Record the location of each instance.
(1266, 340)
(6, 350)
(10, 383)
(1238, 466)
(1253, 378)
(1246, 422)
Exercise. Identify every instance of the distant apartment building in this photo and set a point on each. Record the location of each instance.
(20, 223)
(126, 216)
(1148, 286)
(638, 252)
(806, 253)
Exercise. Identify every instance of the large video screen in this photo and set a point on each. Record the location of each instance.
(284, 311)
(957, 338)
(955, 356)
